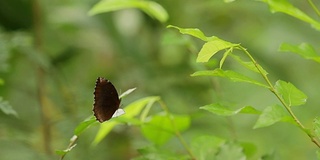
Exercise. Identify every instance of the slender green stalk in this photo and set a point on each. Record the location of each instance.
(314, 7)
(273, 90)
(183, 142)
(72, 144)
(41, 91)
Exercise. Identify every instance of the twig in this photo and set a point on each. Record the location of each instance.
(72, 144)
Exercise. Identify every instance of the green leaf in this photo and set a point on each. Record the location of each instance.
(210, 48)
(286, 7)
(221, 110)
(234, 76)
(127, 92)
(6, 108)
(249, 65)
(271, 115)
(304, 49)
(131, 110)
(84, 125)
(224, 57)
(129, 121)
(290, 94)
(206, 147)
(159, 129)
(151, 8)
(213, 45)
(316, 127)
(150, 102)
(231, 151)
(104, 130)
(195, 32)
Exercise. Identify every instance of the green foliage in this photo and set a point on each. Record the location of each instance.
(153, 152)
(72, 144)
(287, 94)
(131, 110)
(232, 75)
(222, 110)
(271, 115)
(49, 70)
(151, 8)
(211, 47)
(305, 50)
(160, 128)
(205, 147)
(249, 65)
(286, 7)
(231, 151)
(290, 94)
(84, 125)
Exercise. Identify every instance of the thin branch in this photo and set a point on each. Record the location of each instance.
(273, 90)
(183, 142)
(72, 144)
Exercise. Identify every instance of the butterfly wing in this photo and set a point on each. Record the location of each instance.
(106, 100)
(118, 113)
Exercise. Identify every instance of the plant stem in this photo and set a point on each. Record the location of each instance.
(72, 143)
(183, 142)
(314, 7)
(273, 90)
(46, 129)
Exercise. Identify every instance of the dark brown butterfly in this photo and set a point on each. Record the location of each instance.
(106, 100)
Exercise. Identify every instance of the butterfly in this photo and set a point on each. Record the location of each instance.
(106, 100)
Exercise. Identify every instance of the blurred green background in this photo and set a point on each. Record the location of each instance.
(133, 50)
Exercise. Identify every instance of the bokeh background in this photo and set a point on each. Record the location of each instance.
(132, 49)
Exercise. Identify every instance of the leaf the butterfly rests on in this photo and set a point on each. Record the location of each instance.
(106, 101)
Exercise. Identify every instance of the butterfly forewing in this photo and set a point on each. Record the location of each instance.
(106, 100)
